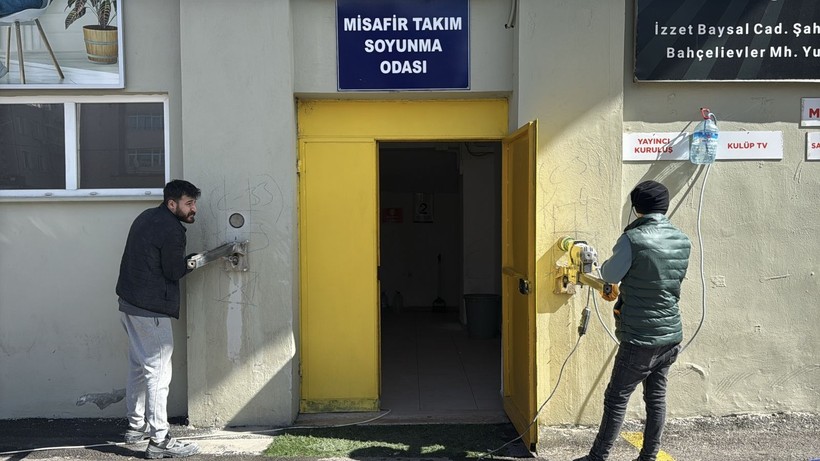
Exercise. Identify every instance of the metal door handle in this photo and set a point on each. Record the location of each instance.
(524, 286)
(523, 282)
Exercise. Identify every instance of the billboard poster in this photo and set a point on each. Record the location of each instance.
(61, 44)
(716, 40)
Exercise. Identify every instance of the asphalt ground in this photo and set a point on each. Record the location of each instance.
(774, 437)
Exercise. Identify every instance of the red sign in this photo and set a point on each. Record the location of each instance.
(394, 215)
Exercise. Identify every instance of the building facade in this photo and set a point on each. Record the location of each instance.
(252, 111)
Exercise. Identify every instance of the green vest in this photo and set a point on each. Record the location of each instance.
(650, 290)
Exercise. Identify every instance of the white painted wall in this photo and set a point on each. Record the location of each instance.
(569, 69)
(756, 352)
(60, 334)
(60, 331)
(239, 147)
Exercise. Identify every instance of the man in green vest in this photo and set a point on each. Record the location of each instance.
(649, 261)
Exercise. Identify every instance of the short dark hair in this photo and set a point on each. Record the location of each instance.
(175, 189)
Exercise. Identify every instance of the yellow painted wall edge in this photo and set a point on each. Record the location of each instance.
(438, 120)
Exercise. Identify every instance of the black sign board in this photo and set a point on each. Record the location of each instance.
(727, 40)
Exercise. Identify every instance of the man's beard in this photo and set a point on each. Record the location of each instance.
(187, 218)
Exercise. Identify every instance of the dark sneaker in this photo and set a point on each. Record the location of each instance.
(170, 448)
(136, 435)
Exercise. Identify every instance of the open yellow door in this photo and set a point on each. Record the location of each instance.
(338, 184)
(518, 281)
(338, 232)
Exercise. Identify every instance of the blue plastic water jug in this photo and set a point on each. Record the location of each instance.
(703, 148)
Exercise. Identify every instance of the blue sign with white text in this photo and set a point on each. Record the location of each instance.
(403, 44)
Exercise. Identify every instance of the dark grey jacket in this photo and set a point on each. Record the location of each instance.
(153, 262)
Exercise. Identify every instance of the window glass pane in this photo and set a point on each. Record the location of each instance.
(122, 146)
(32, 146)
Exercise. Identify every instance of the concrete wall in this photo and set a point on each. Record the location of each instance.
(60, 331)
(570, 67)
(755, 352)
(240, 148)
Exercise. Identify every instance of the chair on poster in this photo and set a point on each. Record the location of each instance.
(27, 17)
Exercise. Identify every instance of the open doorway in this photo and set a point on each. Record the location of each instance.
(440, 239)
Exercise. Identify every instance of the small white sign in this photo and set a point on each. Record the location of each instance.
(813, 145)
(732, 145)
(652, 147)
(810, 112)
(750, 145)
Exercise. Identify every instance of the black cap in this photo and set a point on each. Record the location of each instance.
(650, 197)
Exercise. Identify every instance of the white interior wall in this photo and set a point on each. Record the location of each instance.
(409, 252)
(481, 173)
(470, 261)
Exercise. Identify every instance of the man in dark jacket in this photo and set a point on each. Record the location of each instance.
(148, 287)
(650, 261)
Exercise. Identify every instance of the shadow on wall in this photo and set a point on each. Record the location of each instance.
(258, 408)
(677, 176)
(547, 264)
(674, 175)
(592, 395)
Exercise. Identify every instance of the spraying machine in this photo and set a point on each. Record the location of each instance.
(581, 270)
(583, 264)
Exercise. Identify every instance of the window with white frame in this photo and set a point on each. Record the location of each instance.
(89, 146)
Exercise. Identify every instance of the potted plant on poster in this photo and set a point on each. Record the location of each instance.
(101, 38)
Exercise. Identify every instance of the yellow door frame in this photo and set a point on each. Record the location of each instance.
(338, 149)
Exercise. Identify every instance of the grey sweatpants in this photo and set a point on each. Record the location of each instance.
(150, 345)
